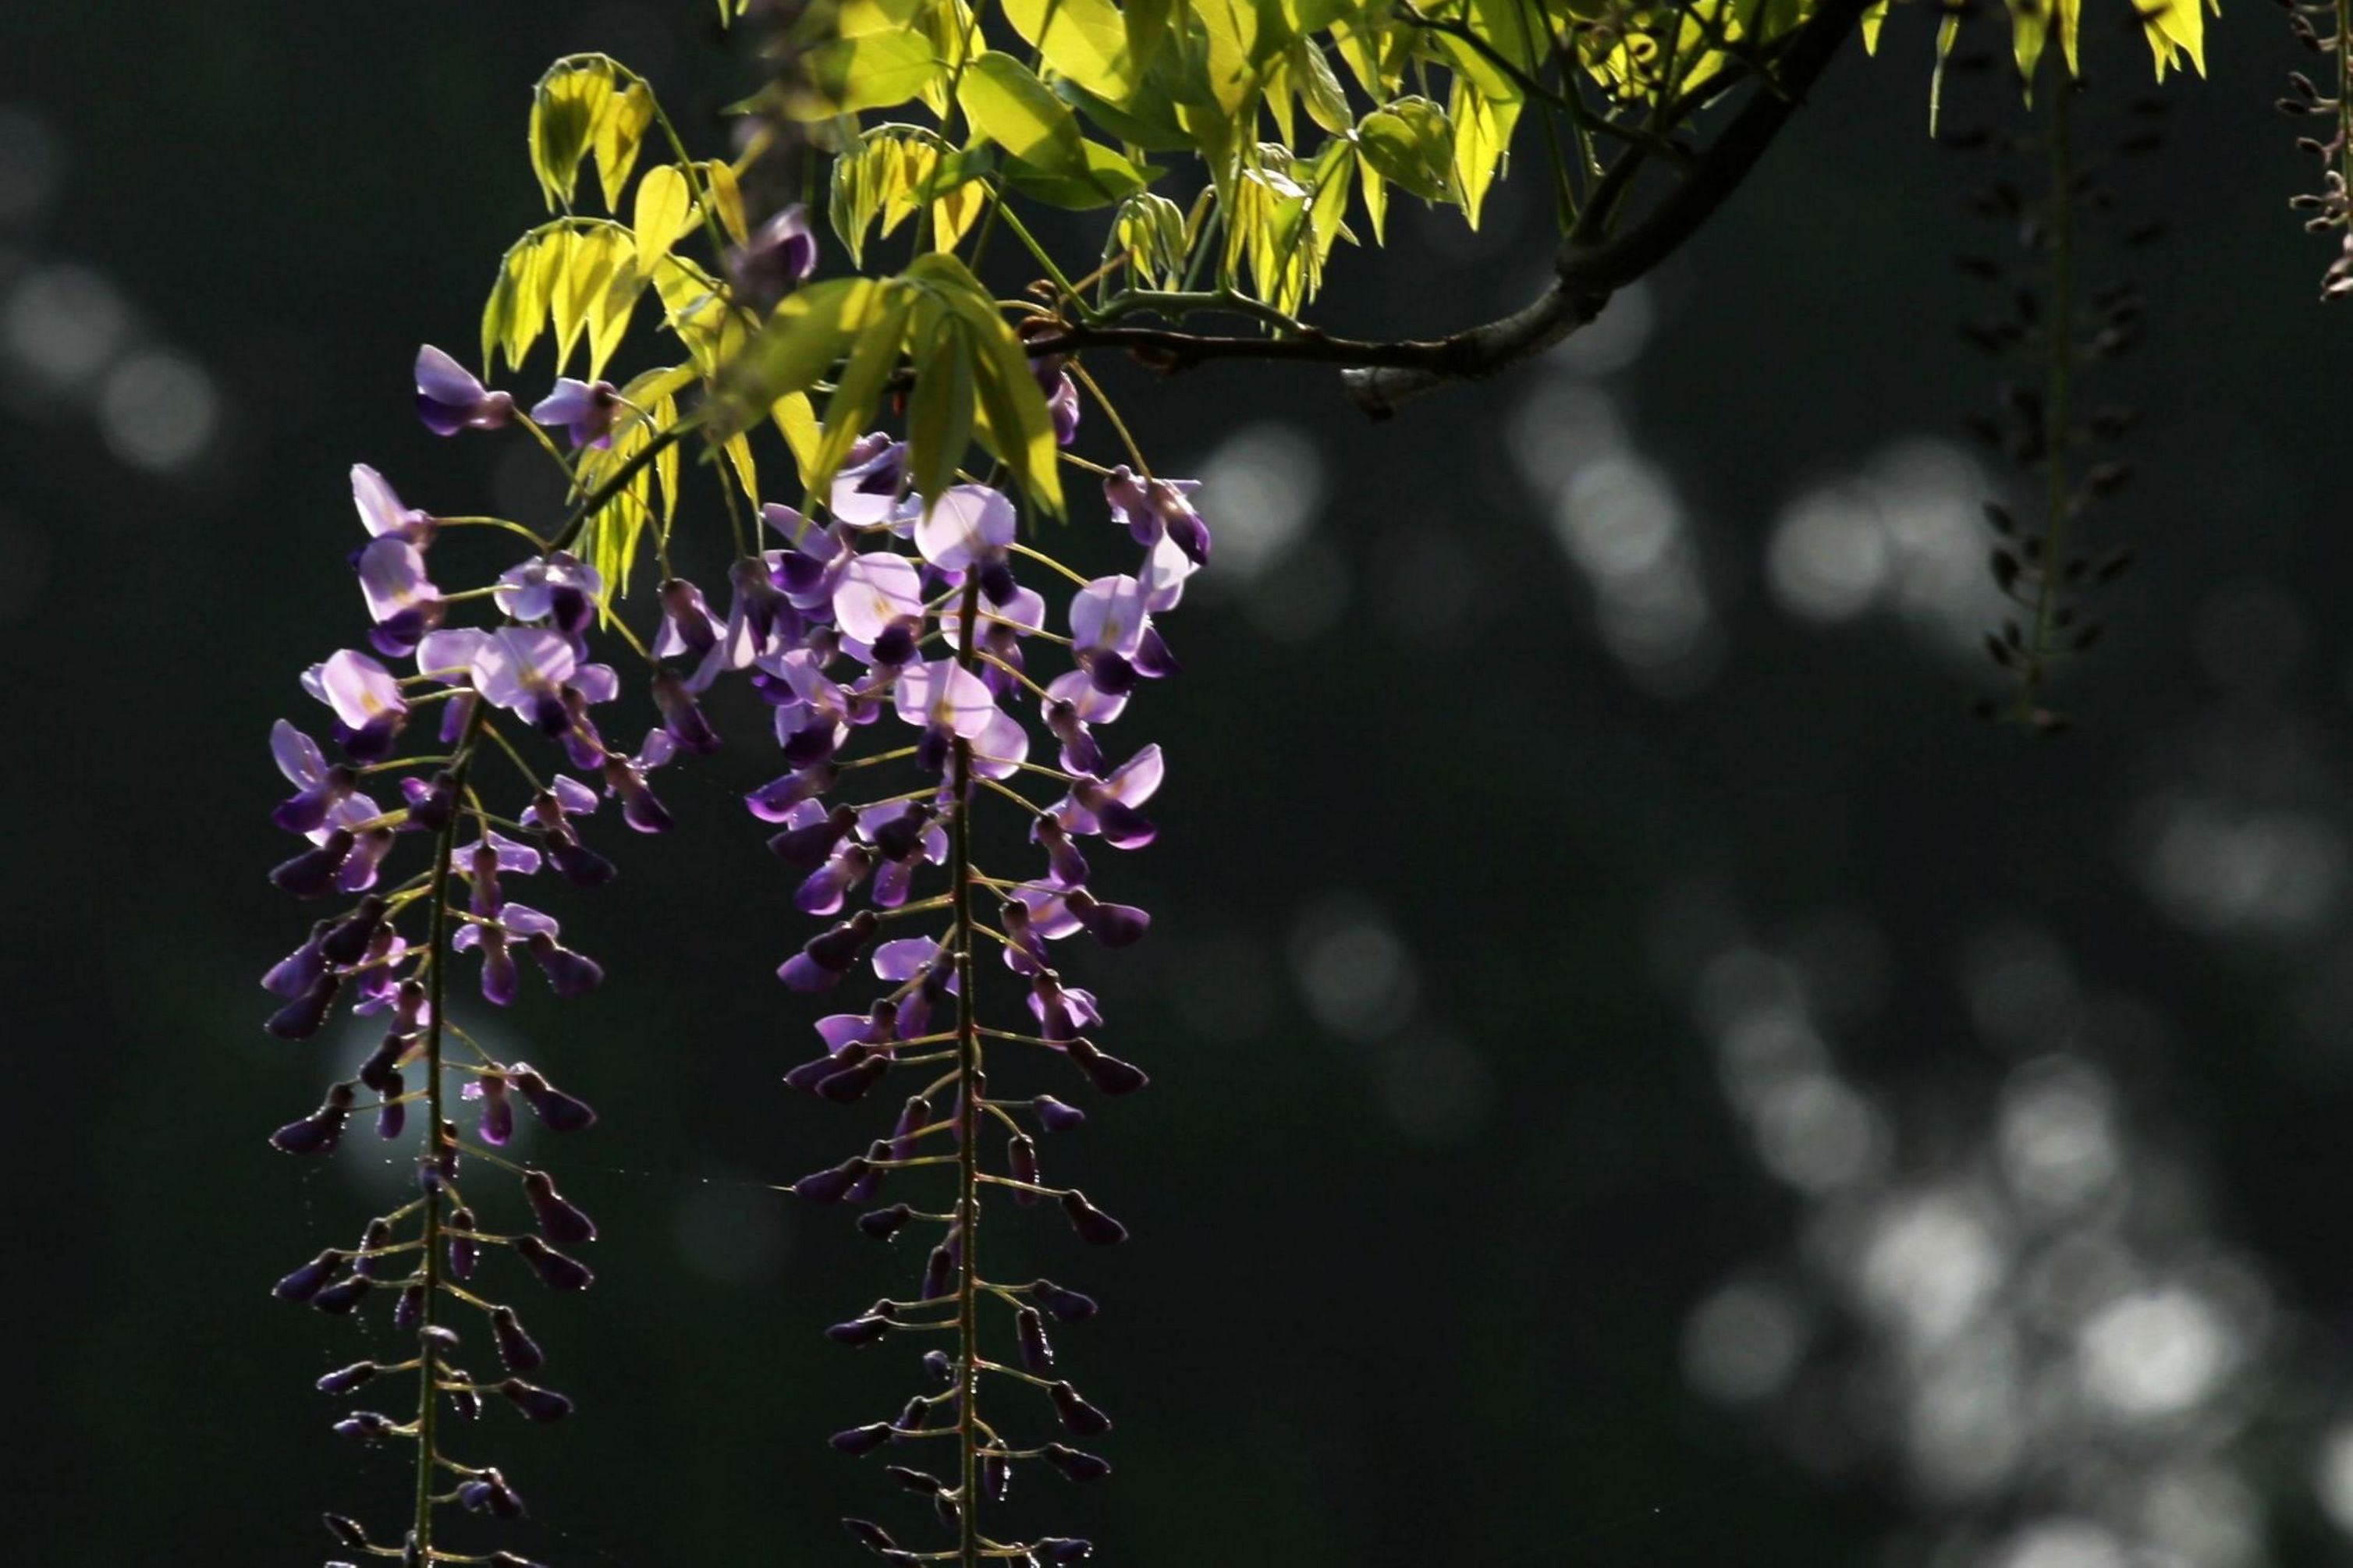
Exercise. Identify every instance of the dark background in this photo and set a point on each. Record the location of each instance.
(1642, 1078)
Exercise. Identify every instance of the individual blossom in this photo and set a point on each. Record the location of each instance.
(449, 398)
(401, 599)
(585, 408)
(778, 258)
(1151, 509)
(879, 604)
(527, 670)
(969, 528)
(869, 490)
(368, 707)
(560, 589)
(383, 512)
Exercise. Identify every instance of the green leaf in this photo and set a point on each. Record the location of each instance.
(874, 355)
(1411, 143)
(565, 111)
(871, 70)
(1148, 119)
(517, 310)
(621, 131)
(1013, 422)
(941, 408)
(801, 340)
(1013, 109)
(1085, 40)
(1108, 178)
(665, 210)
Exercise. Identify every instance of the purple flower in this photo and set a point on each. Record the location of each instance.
(368, 707)
(319, 788)
(525, 670)
(1153, 508)
(560, 589)
(948, 700)
(878, 593)
(969, 526)
(1107, 625)
(867, 493)
(381, 512)
(585, 407)
(450, 399)
(777, 259)
(1062, 404)
(401, 599)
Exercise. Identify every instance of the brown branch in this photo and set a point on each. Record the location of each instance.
(1592, 263)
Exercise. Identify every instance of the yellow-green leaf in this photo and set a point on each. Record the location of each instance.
(726, 199)
(665, 210)
(796, 423)
(564, 109)
(874, 355)
(871, 70)
(1013, 109)
(940, 409)
(621, 131)
(1085, 40)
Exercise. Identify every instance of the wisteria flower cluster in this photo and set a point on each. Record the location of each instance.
(945, 639)
(891, 612)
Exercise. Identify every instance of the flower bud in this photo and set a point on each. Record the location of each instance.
(1093, 1226)
(830, 1185)
(860, 1331)
(1021, 1162)
(1075, 1465)
(885, 1223)
(1056, 1117)
(371, 1259)
(312, 873)
(559, 1219)
(409, 1309)
(338, 1300)
(366, 1426)
(556, 1111)
(571, 974)
(1029, 1331)
(517, 1350)
(940, 1366)
(873, 1537)
(306, 1281)
(862, 1439)
(1077, 1415)
(346, 1379)
(346, 1530)
(915, 1480)
(543, 1404)
(464, 1251)
(1108, 1074)
(1067, 1306)
(319, 1132)
(1058, 1551)
(555, 1270)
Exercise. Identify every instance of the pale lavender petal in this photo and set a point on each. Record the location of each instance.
(1107, 616)
(965, 523)
(875, 590)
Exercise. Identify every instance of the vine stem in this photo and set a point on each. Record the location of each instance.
(437, 958)
(2060, 347)
(969, 1097)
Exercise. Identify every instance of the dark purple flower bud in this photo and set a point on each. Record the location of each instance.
(560, 1220)
(1108, 1074)
(437, 1338)
(450, 399)
(585, 408)
(510, 1560)
(465, 1252)
(1056, 1117)
(995, 1475)
(571, 974)
(346, 941)
(1112, 925)
(862, 1439)
(577, 863)
(311, 874)
(1093, 1226)
(300, 1018)
(339, 1299)
(537, 1403)
(381, 1071)
(915, 1481)
(305, 1282)
(1062, 404)
(1066, 1305)
(434, 810)
(409, 1309)
(1060, 1551)
(825, 958)
(772, 800)
(833, 1184)
(317, 1132)
(1081, 754)
(860, 1331)
(1021, 1162)
(556, 1111)
(501, 980)
(346, 1530)
(555, 1270)
(807, 847)
(682, 715)
(366, 1426)
(940, 1366)
(850, 1084)
(1062, 857)
(1077, 1415)
(301, 969)
(939, 1273)
(371, 1259)
(823, 892)
(1029, 1331)
(1075, 1465)
(777, 259)
(885, 1224)
(498, 1111)
(873, 1537)
(641, 808)
(950, 1511)
(346, 1379)
(517, 1350)
(390, 1112)
(815, 1071)
(902, 837)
